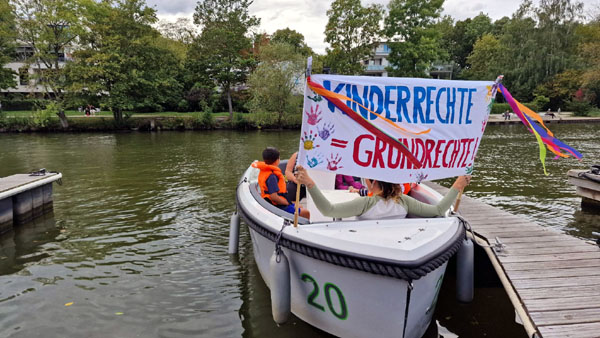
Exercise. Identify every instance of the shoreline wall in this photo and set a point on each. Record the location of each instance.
(136, 123)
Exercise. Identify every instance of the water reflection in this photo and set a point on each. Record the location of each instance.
(139, 234)
(23, 244)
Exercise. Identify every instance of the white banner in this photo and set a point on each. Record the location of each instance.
(439, 121)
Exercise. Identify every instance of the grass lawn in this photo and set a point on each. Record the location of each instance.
(75, 113)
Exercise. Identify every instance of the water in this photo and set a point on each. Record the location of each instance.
(137, 242)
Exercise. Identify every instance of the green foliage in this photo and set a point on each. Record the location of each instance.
(222, 49)
(589, 52)
(541, 102)
(41, 117)
(293, 38)
(458, 39)
(499, 108)
(353, 32)
(416, 41)
(277, 82)
(561, 87)
(50, 27)
(535, 44)
(487, 48)
(579, 107)
(239, 121)
(205, 120)
(122, 72)
(7, 39)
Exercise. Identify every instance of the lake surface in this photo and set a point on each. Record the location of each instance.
(138, 238)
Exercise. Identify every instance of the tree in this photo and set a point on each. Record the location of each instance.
(589, 52)
(182, 30)
(292, 38)
(50, 27)
(486, 51)
(7, 46)
(223, 47)
(118, 61)
(272, 84)
(460, 39)
(353, 32)
(415, 41)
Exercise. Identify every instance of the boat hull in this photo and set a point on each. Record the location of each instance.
(351, 303)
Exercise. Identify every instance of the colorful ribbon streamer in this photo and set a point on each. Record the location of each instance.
(335, 99)
(543, 135)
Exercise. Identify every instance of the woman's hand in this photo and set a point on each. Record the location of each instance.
(461, 182)
(303, 178)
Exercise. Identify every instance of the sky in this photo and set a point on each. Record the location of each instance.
(309, 17)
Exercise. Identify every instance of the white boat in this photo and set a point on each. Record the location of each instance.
(354, 278)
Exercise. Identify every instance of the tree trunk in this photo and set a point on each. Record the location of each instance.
(118, 115)
(229, 103)
(63, 118)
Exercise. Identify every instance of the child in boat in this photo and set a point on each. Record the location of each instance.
(387, 200)
(347, 182)
(272, 183)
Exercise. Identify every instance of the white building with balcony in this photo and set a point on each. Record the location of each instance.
(375, 66)
(29, 73)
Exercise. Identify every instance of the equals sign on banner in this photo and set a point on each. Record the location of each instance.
(339, 143)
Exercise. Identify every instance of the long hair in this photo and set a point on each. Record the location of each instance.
(390, 190)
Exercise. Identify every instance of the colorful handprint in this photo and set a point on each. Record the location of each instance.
(309, 140)
(314, 116)
(317, 98)
(328, 130)
(333, 161)
(315, 161)
(421, 176)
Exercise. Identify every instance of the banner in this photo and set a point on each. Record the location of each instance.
(398, 130)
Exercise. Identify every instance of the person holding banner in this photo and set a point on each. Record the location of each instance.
(387, 201)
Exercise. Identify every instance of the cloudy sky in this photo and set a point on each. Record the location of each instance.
(309, 16)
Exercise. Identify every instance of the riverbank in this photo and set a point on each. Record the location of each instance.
(197, 121)
(498, 119)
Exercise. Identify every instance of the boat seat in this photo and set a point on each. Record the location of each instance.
(255, 191)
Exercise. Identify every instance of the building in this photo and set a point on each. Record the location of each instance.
(30, 73)
(375, 66)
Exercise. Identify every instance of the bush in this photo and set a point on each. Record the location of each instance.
(579, 107)
(499, 108)
(24, 104)
(41, 117)
(541, 102)
(205, 120)
(239, 121)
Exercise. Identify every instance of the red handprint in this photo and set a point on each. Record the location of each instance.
(314, 116)
(333, 161)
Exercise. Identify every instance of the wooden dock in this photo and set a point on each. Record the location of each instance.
(555, 277)
(24, 197)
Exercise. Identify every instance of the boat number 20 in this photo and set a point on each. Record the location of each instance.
(328, 290)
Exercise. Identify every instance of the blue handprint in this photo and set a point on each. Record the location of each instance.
(328, 130)
(315, 161)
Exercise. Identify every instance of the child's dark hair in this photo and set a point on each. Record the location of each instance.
(270, 155)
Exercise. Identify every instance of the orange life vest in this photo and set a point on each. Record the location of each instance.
(265, 171)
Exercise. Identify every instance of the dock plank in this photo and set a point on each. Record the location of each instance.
(585, 330)
(556, 276)
(534, 266)
(557, 272)
(566, 317)
(571, 303)
(559, 292)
